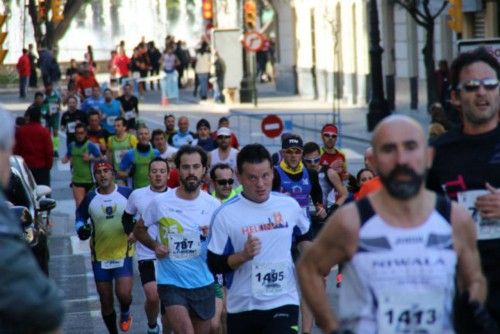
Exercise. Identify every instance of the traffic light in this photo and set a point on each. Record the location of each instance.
(250, 11)
(57, 9)
(207, 9)
(456, 16)
(3, 36)
(42, 11)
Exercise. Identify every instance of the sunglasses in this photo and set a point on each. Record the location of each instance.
(329, 136)
(223, 137)
(225, 182)
(473, 85)
(313, 160)
(293, 151)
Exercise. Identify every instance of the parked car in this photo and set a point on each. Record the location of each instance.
(31, 206)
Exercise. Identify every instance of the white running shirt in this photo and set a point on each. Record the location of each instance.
(137, 204)
(267, 281)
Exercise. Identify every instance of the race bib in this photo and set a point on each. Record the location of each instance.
(111, 120)
(119, 154)
(486, 228)
(53, 108)
(112, 264)
(269, 279)
(71, 127)
(129, 115)
(184, 246)
(410, 312)
(87, 91)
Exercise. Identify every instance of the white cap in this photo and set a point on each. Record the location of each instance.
(224, 132)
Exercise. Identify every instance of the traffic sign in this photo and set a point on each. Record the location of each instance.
(253, 41)
(272, 126)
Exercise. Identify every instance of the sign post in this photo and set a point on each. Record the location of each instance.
(271, 126)
(253, 42)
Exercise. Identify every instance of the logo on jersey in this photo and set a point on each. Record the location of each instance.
(109, 211)
(274, 222)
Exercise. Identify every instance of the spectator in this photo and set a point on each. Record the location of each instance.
(121, 63)
(24, 70)
(154, 57)
(203, 63)
(33, 62)
(34, 144)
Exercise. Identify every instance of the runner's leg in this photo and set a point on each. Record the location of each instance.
(179, 320)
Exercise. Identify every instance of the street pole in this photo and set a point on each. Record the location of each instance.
(246, 89)
(378, 108)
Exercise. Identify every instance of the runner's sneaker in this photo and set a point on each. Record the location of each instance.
(125, 324)
(155, 330)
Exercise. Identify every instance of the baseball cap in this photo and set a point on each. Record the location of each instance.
(223, 132)
(330, 129)
(292, 141)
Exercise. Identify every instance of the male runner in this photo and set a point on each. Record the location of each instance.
(401, 247)
(136, 161)
(330, 155)
(130, 106)
(136, 206)
(222, 176)
(70, 118)
(120, 143)
(467, 162)
(182, 216)
(250, 241)
(81, 153)
(111, 250)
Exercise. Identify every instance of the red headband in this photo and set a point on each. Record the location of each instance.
(102, 164)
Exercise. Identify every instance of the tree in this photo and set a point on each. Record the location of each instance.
(47, 32)
(420, 11)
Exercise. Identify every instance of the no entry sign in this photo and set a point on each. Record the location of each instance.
(272, 126)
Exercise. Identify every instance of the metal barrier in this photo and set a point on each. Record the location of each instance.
(247, 126)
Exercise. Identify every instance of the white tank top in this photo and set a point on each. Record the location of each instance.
(400, 280)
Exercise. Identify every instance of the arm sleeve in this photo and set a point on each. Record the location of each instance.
(94, 150)
(82, 212)
(276, 181)
(128, 222)
(26, 295)
(316, 193)
(127, 161)
(218, 263)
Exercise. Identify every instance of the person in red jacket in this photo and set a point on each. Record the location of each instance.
(34, 144)
(24, 69)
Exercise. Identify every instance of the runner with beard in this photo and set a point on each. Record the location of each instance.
(136, 206)
(402, 248)
(182, 216)
(81, 153)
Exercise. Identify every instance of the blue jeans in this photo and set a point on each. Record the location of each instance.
(169, 85)
(23, 85)
(203, 80)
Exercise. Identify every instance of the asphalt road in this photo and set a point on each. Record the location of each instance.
(70, 261)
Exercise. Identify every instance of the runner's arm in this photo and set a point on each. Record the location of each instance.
(336, 181)
(337, 240)
(469, 273)
(141, 233)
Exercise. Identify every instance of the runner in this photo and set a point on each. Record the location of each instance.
(95, 132)
(119, 144)
(401, 248)
(185, 284)
(70, 118)
(130, 106)
(135, 162)
(110, 248)
(251, 237)
(51, 110)
(110, 109)
(224, 152)
(302, 184)
(330, 155)
(466, 160)
(81, 153)
(136, 207)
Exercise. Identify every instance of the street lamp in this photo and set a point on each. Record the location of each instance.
(378, 107)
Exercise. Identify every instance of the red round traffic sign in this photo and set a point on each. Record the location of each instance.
(272, 126)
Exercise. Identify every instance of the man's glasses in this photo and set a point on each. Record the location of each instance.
(329, 136)
(224, 182)
(223, 137)
(473, 85)
(293, 151)
(313, 160)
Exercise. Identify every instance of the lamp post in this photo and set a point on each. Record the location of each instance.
(378, 107)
